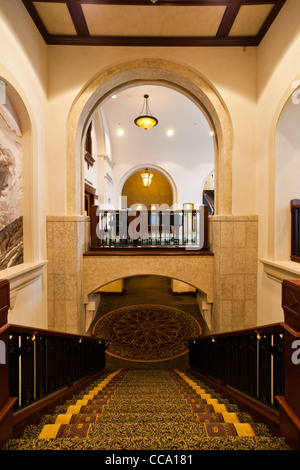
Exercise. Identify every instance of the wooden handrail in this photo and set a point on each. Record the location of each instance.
(289, 403)
(250, 360)
(264, 329)
(6, 402)
(38, 363)
(28, 330)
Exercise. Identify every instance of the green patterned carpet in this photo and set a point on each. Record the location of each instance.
(148, 410)
(146, 332)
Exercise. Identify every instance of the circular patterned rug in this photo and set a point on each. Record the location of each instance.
(146, 332)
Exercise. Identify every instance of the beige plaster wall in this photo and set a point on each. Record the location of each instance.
(278, 69)
(23, 66)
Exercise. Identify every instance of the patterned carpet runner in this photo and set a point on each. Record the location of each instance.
(148, 410)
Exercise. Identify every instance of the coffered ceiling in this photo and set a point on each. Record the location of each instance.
(154, 22)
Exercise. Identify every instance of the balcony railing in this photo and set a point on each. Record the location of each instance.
(178, 229)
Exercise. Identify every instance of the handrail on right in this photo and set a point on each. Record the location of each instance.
(250, 361)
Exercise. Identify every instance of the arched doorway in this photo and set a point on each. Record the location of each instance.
(166, 74)
(287, 176)
(202, 94)
(136, 194)
(147, 320)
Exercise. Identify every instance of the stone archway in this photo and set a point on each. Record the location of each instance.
(128, 74)
(165, 73)
(194, 272)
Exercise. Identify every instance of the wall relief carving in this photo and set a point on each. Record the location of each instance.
(11, 189)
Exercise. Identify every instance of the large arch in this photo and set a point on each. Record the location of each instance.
(165, 73)
(289, 92)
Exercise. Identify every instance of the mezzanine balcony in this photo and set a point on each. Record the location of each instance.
(151, 230)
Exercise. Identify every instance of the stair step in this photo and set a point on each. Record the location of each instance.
(86, 429)
(144, 443)
(139, 409)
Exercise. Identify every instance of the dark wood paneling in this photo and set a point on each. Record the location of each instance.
(289, 402)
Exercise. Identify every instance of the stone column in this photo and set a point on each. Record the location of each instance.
(65, 247)
(234, 242)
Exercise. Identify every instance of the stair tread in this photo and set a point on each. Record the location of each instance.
(143, 443)
(149, 410)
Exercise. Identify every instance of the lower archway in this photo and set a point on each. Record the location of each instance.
(147, 323)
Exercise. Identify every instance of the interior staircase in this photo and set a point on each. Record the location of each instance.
(148, 410)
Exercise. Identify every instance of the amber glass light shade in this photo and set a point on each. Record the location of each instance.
(146, 121)
(147, 177)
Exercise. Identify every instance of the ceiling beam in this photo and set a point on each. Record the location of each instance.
(152, 41)
(36, 19)
(274, 12)
(143, 2)
(157, 2)
(78, 18)
(228, 18)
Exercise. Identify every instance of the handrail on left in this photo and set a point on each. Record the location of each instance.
(37, 363)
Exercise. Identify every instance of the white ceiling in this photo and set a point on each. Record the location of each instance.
(191, 142)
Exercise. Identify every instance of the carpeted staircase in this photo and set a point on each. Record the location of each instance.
(148, 410)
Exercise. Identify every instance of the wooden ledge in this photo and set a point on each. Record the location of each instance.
(141, 251)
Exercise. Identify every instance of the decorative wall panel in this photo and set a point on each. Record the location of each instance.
(11, 189)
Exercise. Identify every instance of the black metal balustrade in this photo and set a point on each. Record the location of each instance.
(186, 229)
(249, 361)
(42, 363)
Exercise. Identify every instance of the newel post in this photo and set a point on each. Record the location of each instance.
(6, 403)
(289, 404)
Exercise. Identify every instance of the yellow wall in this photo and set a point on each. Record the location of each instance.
(159, 192)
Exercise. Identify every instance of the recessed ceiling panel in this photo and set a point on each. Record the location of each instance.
(56, 17)
(250, 19)
(154, 23)
(129, 20)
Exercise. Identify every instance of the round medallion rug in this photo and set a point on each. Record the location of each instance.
(146, 332)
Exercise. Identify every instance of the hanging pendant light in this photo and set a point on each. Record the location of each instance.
(147, 177)
(146, 120)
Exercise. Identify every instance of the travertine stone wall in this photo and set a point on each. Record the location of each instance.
(234, 242)
(228, 278)
(192, 269)
(65, 247)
